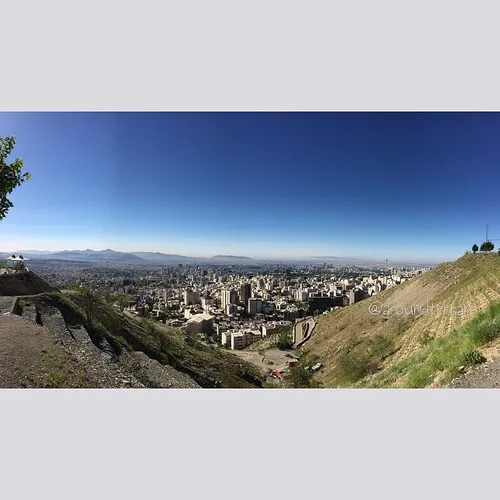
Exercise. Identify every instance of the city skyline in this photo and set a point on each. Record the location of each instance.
(401, 186)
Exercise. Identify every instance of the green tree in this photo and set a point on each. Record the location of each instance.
(284, 338)
(11, 175)
(89, 302)
(475, 248)
(123, 301)
(299, 377)
(487, 246)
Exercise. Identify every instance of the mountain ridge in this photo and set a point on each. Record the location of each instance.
(108, 255)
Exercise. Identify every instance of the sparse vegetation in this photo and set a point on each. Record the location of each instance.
(360, 359)
(425, 338)
(342, 338)
(446, 354)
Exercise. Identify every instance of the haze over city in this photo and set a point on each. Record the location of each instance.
(402, 186)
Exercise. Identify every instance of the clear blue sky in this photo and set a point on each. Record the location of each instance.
(382, 185)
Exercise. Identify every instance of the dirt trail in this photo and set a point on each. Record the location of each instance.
(31, 356)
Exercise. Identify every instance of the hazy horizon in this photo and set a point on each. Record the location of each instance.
(228, 254)
(398, 186)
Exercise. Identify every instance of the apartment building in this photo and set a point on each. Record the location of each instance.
(200, 323)
(245, 293)
(191, 297)
(254, 306)
(228, 297)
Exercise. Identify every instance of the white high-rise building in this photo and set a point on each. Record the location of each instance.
(228, 297)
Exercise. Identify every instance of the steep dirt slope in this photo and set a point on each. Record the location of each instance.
(396, 321)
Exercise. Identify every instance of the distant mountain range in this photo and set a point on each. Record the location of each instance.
(108, 255)
(158, 258)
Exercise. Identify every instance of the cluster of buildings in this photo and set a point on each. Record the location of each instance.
(235, 306)
(236, 310)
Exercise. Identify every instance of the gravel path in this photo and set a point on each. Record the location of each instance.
(484, 376)
(6, 304)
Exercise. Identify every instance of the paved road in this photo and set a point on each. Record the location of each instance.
(303, 329)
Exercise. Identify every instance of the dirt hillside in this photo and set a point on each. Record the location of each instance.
(396, 323)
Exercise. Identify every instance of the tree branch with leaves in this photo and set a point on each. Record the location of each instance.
(11, 175)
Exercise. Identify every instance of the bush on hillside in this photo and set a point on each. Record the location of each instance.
(353, 366)
(472, 357)
(485, 332)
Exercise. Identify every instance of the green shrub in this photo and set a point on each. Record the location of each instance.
(485, 332)
(419, 378)
(298, 377)
(472, 357)
(380, 347)
(353, 366)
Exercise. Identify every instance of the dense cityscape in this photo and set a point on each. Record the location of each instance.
(231, 306)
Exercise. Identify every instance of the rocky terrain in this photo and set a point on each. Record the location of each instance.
(484, 376)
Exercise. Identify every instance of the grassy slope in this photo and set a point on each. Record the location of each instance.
(207, 366)
(351, 342)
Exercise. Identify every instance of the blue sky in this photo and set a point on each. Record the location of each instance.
(382, 185)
